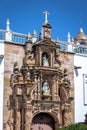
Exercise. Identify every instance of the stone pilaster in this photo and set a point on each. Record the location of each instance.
(17, 119)
(54, 89)
(67, 115)
(39, 89)
(10, 121)
(51, 59)
(40, 57)
(28, 109)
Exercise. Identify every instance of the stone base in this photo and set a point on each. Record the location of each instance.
(46, 97)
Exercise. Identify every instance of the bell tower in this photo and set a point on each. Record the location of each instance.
(46, 28)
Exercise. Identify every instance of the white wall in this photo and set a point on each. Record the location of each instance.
(1, 47)
(80, 108)
(1, 82)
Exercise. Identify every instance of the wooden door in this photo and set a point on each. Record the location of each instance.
(43, 121)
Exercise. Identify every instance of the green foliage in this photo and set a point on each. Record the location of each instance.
(75, 127)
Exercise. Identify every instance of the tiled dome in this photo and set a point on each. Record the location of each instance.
(80, 35)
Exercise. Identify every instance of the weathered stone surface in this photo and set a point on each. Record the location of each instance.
(13, 53)
(25, 76)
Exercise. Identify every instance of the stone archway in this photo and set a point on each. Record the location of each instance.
(43, 121)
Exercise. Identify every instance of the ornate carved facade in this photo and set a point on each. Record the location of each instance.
(41, 90)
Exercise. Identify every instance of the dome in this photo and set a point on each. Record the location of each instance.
(80, 35)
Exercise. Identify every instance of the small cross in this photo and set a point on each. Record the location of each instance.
(46, 14)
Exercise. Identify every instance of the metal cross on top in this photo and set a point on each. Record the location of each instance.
(46, 14)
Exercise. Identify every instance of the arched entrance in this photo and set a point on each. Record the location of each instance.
(43, 121)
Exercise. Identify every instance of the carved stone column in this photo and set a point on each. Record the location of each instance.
(10, 121)
(17, 119)
(41, 81)
(28, 109)
(37, 57)
(60, 116)
(39, 89)
(67, 115)
(40, 56)
(51, 59)
(36, 86)
(54, 89)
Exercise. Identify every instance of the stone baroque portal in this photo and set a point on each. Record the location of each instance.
(40, 98)
(39, 88)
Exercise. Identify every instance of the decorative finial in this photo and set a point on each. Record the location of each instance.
(46, 14)
(35, 33)
(34, 36)
(81, 30)
(8, 25)
(68, 36)
(29, 35)
(72, 39)
(57, 40)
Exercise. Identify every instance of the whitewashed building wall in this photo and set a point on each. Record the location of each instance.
(80, 87)
(1, 82)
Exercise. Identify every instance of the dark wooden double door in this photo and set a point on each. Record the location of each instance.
(43, 121)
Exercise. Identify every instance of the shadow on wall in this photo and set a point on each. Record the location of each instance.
(0, 61)
(76, 72)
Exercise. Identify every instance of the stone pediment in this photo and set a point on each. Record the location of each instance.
(46, 42)
(49, 43)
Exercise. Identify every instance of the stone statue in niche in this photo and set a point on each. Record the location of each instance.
(45, 60)
(46, 88)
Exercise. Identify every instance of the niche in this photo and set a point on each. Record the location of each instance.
(45, 60)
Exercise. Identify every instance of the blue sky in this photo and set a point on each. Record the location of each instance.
(26, 15)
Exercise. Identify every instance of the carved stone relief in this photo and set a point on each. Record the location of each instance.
(39, 86)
